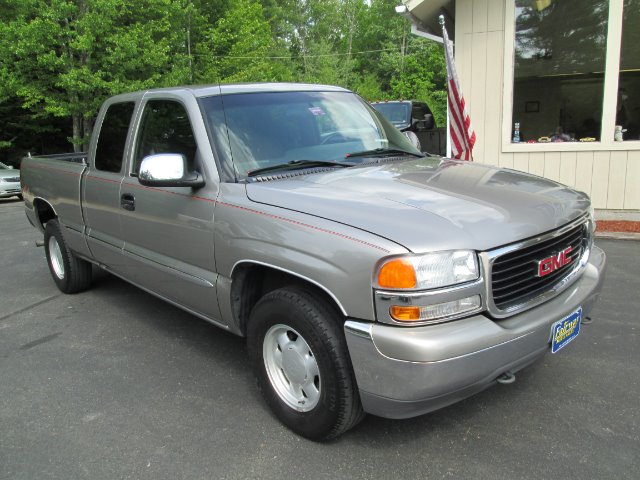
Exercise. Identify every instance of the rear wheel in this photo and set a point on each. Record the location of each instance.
(301, 363)
(70, 273)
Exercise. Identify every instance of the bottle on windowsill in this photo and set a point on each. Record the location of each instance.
(516, 133)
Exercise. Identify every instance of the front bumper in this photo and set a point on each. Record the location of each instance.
(403, 372)
(9, 190)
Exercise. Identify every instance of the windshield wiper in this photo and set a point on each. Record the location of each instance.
(379, 152)
(297, 165)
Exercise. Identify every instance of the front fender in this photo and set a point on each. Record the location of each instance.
(338, 258)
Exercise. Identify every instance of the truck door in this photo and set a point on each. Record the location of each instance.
(168, 232)
(101, 190)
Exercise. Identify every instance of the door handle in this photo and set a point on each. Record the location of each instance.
(128, 202)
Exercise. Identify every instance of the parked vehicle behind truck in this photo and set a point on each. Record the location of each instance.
(9, 181)
(415, 117)
(366, 277)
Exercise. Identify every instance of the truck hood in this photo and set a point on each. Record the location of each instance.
(430, 203)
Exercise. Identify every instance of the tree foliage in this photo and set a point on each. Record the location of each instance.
(59, 59)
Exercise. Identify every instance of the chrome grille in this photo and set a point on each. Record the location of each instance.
(514, 280)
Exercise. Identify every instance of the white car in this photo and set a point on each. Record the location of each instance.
(9, 182)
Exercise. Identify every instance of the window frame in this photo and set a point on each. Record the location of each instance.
(610, 97)
(127, 139)
(137, 134)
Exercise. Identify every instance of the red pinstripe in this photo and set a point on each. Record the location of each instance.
(230, 205)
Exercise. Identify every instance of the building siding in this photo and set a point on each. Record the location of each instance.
(611, 178)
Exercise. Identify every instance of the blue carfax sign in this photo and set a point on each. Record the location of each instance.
(565, 330)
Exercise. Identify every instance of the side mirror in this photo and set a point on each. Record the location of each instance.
(429, 122)
(168, 170)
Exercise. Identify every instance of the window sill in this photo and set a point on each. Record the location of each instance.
(571, 146)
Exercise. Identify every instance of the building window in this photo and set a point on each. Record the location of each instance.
(559, 70)
(628, 107)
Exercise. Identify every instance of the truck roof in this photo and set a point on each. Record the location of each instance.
(215, 89)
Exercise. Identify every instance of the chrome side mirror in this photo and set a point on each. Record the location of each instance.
(168, 170)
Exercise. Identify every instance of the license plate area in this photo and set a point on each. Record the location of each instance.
(565, 330)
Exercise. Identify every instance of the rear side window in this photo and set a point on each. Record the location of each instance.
(113, 137)
(165, 128)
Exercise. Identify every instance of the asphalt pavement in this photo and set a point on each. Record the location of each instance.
(113, 383)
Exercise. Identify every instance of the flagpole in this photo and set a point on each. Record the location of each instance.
(441, 21)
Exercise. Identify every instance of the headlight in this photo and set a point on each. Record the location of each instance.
(431, 270)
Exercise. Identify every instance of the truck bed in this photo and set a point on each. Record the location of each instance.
(58, 179)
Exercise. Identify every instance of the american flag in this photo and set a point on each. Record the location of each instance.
(460, 130)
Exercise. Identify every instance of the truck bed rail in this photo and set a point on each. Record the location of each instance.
(76, 157)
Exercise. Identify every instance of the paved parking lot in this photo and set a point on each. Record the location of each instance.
(113, 383)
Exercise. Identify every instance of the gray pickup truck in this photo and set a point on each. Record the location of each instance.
(366, 276)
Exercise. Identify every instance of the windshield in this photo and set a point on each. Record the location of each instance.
(4, 167)
(396, 113)
(259, 130)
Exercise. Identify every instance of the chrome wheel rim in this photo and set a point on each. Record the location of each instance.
(55, 254)
(292, 368)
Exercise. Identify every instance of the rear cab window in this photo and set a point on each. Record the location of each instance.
(113, 137)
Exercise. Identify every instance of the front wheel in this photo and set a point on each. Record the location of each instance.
(302, 366)
(71, 274)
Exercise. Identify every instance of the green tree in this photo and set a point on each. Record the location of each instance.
(66, 56)
(59, 59)
(367, 86)
(239, 46)
(419, 74)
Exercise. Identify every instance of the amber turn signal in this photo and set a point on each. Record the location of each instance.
(405, 314)
(397, 273)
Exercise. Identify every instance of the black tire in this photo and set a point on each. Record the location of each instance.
(337, 406)
(70, 273)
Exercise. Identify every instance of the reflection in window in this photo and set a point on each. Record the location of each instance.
(259, 130)
(559, 65)
(165, 128)
(628, 111)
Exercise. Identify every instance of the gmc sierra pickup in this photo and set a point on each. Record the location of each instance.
(366, 276)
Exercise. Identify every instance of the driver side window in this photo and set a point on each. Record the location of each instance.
(165, 128)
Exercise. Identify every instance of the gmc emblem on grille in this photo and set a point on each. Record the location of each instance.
(554, 262)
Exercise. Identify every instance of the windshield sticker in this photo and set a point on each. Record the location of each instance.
(316, 111)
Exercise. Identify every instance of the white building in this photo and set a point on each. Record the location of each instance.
(568, 71)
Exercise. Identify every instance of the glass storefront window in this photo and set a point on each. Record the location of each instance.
(559, 64)
(628, 108)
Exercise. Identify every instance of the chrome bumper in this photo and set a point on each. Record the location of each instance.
(403, 372)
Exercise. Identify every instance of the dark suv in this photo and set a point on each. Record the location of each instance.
(415, 116)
